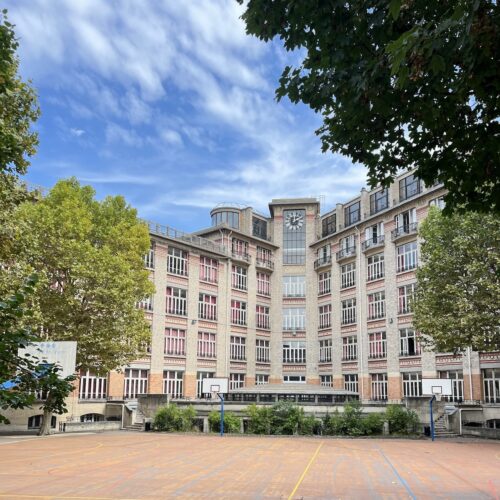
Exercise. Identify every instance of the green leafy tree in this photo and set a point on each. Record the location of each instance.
(400, 84)
(401, 420)
(171, 418)
(231, 422)
(457, 303)
(89, 256)
(259, 419)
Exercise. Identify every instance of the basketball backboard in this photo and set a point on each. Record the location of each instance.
(62, 353)
(437, 387)
(215, 385)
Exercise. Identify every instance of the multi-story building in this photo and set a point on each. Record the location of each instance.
(294, 297)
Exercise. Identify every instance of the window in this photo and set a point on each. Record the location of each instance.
(263, 284)
(261, 379)
(325, 316)
(294, 318)
(207, 307)
(376, 305)
(438, 202)
(35, 422)
(238, 312)
(379, 201)
(92, 417)
(232, 219)
(136, 382)
(325, 380)
(379, 386)
(176, 301)
(294, 237)
(173, 383)
(294, 352)
(328, 225)
(348, 311)
(238, 348)
(347, 247)
(491, 385)
(177, 262)
(407, 256)
(236, 381)
(409, 345)
(352, 214)
(408, 187)
(294, 379)
(175, 341)
(349, 348)
(259, 228)
(200, 376)
(351, 382)
(457, 384)
(406, 294)
(239, 248)
(149, 259)
(262, 317)
(324, 255)
(146, 304)
(375, 268)
(412, 385)
(377, 345)
(92, 386)
(264, 255)
(207, 347)
(325, 350)
(324, 283)
(406, 223)
(209, 269)
(239, 278)
(374, 235)
(294, 286)
(262, 351)
(348, 275)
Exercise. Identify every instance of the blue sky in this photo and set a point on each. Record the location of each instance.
(171, 104)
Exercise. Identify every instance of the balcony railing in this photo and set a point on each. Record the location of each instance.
(264, 264)
(241, 256)
(406, 230)
(376, 242)
(346, 253)
(322, 261)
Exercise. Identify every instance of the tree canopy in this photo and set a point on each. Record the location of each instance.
(457, 303)
(400, 84)
(89, 257)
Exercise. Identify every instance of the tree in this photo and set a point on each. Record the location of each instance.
(89, 256)
(400, 83)
(457, 304)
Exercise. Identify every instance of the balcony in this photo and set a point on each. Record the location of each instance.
(346, 253)
(406, 230)
(264, 264)
(244, 257)
(323, 262)
(376, 242)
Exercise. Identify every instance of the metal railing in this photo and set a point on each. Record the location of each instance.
(405, 230)
(241, 256)
(346, 252)
(263, 263)
(377, 241)
(322, 261)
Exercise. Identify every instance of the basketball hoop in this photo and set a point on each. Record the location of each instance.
(438, 397)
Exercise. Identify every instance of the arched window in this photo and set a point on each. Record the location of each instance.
(35, 422)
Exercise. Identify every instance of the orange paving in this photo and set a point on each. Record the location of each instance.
(128, 466)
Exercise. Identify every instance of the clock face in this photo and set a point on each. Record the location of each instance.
(294, 220)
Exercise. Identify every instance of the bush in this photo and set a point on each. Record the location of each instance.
(351, 419)
(332, 424)
(352, 423)
(171, 418)
(286, 418)
(309, 426)
(259, 419)
(373, 423)
(401, 420)
(231, 422)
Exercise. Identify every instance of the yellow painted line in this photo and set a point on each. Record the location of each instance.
(301, 478)
(52, 497)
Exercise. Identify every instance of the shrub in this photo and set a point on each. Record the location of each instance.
(309, 425)
(373, 423)
(286, 418)
(401, 420)
(231, 422)
(259, 419)
(171, 418)
(332, 424)
(351, 419)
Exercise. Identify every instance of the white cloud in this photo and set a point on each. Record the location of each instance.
(77, 132)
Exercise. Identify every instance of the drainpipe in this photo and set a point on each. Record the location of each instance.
(470, 377)
(358, 299)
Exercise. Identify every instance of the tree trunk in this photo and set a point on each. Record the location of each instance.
(45, 427)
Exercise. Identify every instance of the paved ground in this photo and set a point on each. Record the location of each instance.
(128, 466)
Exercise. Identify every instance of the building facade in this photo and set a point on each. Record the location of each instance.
(293, 297)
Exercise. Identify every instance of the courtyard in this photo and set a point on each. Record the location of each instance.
(128, 465)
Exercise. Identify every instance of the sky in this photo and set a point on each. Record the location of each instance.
(171, 104)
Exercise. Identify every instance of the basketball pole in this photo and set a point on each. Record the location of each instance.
(432, 417)
(221, 397)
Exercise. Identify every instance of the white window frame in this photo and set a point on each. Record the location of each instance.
(377, 344)
(174, 342)
(177, 301)
(294, 379)
(207, 306)
(351, 382)
(325, 350)
(376, 305)
(209, 269)
(237, 348)
(348, 275)
(92, 387)
(177, 261)
(326, 380)
(348, 309)
(294, 352)
(325, 316)
(412, 384)
(262, 351)
(149, 259)
(262, 317)
(294, 318)
(324, 283)
(207, 345)
(238, 312)
(263, 284)
(236, 381)
(407, 257)
(374, 235)
(239, 277)
(173, 383)
(491, 385)
(379, 386)
(349, 348)
(199, 382)
(406, 295)
(135, 383)
(407, 338)
(375, 267)
(294, 286)
(261, 379)
(264, 255)
(145, 304)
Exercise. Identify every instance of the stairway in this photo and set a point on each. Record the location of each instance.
(440, 429)
(138, 426)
